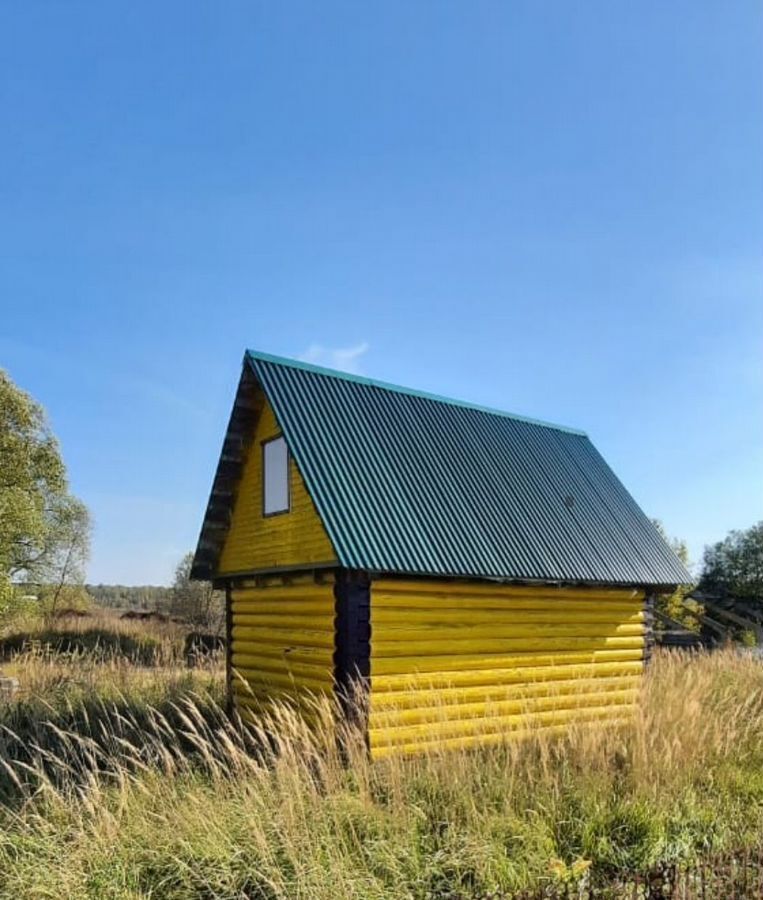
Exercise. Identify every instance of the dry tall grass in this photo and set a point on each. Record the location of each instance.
(128, 798)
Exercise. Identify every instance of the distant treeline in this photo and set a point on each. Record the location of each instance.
(122, 596)
(195, 602)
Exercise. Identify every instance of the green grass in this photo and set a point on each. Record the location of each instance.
(131, 782)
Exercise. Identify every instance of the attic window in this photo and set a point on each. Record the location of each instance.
(275, 482)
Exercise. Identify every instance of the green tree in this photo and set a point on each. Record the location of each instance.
(61, 568)
(120, 596)
(32, 475)
(196, 601)
(675, 605)
(44, 531)
(733, 568)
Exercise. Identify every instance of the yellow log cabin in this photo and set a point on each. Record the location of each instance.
(475, 574)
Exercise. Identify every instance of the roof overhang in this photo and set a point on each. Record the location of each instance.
(243, 418)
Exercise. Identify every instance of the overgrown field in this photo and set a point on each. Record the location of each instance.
(123, 778)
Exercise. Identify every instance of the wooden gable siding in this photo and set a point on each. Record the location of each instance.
(258, 542)
(456, 664)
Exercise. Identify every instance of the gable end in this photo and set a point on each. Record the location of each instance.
(238, 536)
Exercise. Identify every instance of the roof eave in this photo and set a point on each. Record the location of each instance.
(219, 508)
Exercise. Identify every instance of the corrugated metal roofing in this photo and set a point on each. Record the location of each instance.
(408, 482)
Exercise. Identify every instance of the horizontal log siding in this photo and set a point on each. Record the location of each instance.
(457, 664)
(283, 641)
(255, 541)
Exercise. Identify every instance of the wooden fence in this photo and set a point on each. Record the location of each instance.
(720, 620)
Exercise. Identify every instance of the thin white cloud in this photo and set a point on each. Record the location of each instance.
(345, 358)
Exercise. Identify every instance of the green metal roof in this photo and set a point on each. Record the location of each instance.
(412, 483)
(258, 356)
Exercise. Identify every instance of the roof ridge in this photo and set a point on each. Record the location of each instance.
(401, 389)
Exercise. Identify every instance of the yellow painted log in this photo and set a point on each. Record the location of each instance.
(491, 739)
(536, 602)
(481, 680)
(255, 709)
(292, 579)
(506, 645)
(284, 666)
(450, 588)
(306, 592)
(495, 709)
(265, 704)
(407, 666)
(458, 634)
(283, 663)
(299, 654)
(302, 700)
(439, 730)
(437, 617)
(308, 589)
(267, 607)
(272, 690)
(273, 696)
(246, 682)
(290, 621)
(299, 664)
(258, 695)
(273, 649)
(425, 695)
(298, 637)
(275, 680)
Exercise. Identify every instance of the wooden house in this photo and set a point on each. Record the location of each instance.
(476, 573)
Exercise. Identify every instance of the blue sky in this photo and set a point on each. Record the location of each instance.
(553, 208)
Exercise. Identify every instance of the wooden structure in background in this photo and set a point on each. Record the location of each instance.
(719, 621)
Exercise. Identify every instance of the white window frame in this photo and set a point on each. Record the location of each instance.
(281, 503)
